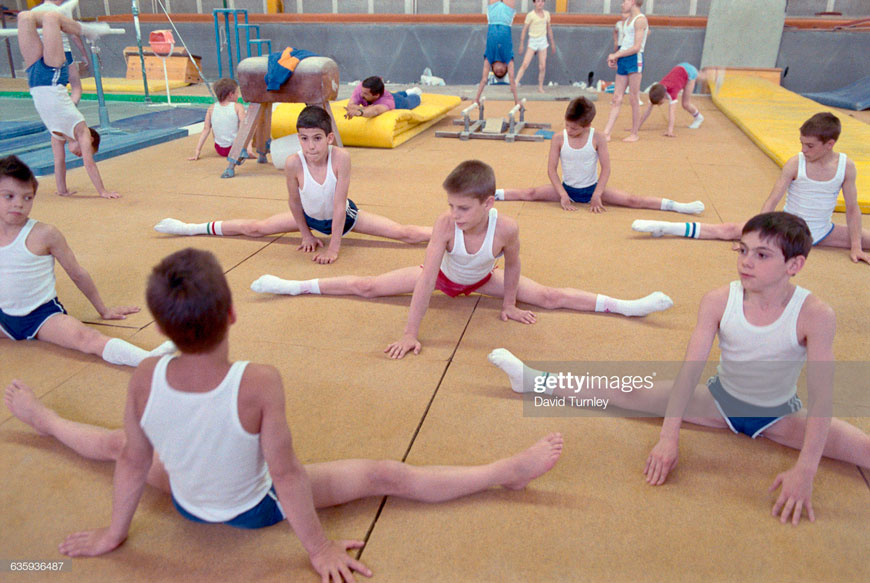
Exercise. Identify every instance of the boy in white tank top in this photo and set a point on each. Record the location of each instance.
(767, 328)
(214, 435)
(29, 307)
(224, 118)
(811, 183)
(580, 150)
(318, 180)
(628, 62)
(460, 259)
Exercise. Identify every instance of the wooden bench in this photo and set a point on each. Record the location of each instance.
(178, 65)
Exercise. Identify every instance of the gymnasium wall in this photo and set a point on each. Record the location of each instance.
(817, 60)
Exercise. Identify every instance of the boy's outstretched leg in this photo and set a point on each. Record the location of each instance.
(274, 225)
(371, 224)
(722, 232)
(622, 198)
(392, 283)
(845, 442)
(545, 192)
(89, 441)
(550, 298)
(338, 482)
(68, 332)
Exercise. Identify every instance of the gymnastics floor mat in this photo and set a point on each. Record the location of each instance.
(388, 130)
(855, 96)
(772, 115)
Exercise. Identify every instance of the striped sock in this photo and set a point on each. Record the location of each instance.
(693, 230)
(176, 227)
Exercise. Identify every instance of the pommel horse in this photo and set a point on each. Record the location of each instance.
(314, 82)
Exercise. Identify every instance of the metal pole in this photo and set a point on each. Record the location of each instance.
(135, 7)
(98, 79)
(8, 44)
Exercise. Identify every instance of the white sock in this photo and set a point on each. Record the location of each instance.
(413, 91)
(521, 376)
(689, 208)
(499, 193)
(270, 284)
(176, 227)
(167, 347)
(119, 351)
(655, 302)
(94, 30)
(659, 228)
(699, 119)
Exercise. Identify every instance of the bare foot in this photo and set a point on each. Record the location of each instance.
(67, 193)
(534, 462)
(109, 194)
(631, 138)
(607, 137)
(19, 399)
(541, 89)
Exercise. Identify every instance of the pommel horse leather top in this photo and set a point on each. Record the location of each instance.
(314, 82)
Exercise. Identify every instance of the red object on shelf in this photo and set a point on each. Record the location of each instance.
(162, 42)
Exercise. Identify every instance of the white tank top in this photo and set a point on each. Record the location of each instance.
(317, 199)
(812, 200)
(465, 269)
(628, 34)
(225, 124)
(579, 165)
(760, 365)
(26, 280)
(216, 468)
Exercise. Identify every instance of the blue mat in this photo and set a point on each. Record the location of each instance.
(42, 161)
(13, 129)
(25, 143)
(161, 120)
(855, 96)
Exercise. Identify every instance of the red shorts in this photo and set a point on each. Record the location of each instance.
(224, 152)
(454, 289)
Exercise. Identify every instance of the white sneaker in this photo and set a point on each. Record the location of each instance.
(413, 91)
(697, 123)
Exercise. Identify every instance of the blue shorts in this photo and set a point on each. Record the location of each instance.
(580, 194)
(743, 417)
(690, 70)
(68, 55)
(325, 225)
(628, 65)
(40, 75)
(825, 236)
(499, 45)
(266, 513)
(405, 101)
(26, 327)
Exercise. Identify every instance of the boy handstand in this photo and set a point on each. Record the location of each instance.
(813, 179)
(460, 259)
(317, 183)
(683, 78)
(29, 308)
(499, 54)
(47, 76)
(580, 150)
(767, 328)
(214, 435)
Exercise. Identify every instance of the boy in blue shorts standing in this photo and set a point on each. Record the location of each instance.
(213, 434)
(683, 78)
(580, 151)
(499, 54)
(628, 62)
(29, 307)
(318, 179)
(811, 183)
(767, 329)
(466, 242)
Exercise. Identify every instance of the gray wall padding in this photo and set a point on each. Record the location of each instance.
(743, 33)
(816, 60)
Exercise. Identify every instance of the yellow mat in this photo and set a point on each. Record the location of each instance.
(771, 116)
(121, 85)
(387, 130)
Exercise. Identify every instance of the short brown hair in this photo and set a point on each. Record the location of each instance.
(223, 88)
(657, 93)
(824, 126)
(790, 232)
(95, 139)
(471, 178)
(14, 168)
(581, 111)
(314, 117)
(190, 299)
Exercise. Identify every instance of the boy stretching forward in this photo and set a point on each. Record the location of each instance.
(683, 78)
(47, 76)
(767, 328)
(813, 179)
(317, 182)
(580, 151)
(460, 259)
(29, 308)
(214, 435)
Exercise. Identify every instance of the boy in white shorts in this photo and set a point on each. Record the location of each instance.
(538, 27)
(66, 8)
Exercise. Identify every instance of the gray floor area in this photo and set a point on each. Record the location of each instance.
(18, 109)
